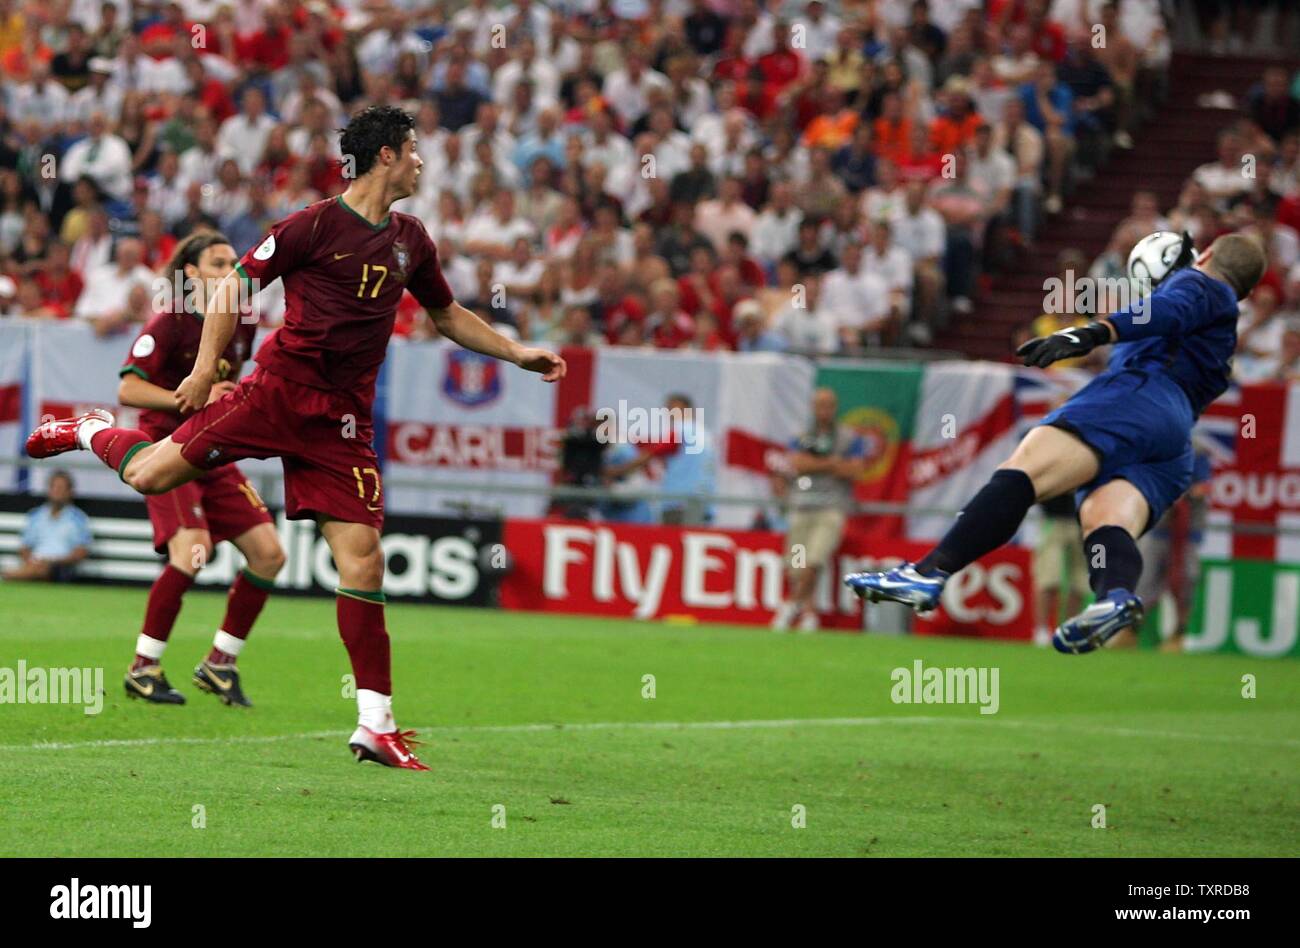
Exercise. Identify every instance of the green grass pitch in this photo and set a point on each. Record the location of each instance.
(545, 717)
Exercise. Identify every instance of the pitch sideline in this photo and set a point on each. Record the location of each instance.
(661, 726)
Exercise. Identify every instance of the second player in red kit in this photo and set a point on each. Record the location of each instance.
(345, 263)
(191, 519)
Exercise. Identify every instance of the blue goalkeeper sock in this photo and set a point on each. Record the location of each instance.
(990, 519)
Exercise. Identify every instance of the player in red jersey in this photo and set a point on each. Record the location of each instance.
(345, 262)
(220, 505)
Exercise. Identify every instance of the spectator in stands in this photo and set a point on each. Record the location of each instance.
(243, 136)
(883, 199)
(920, 230)
(1049, 107)
(1144, 214)
(521, 272)
(1285, 366)
(1025, 145)
(695, 183)
(954, 128)
(574, 329)
(1259, 334)
(966, 214)
(1090, 84)
(1271, 105)
(56, 536)
(102, 156)
(717, 219)
(803, 324)
(855, 162)
(1258, 219)
(809, 254)
(667, 325)
(820, 471)
(751, 333)
(110, 299)
(992, 175)
(60, 286)
(776, 229)
(858, 300)
(1226, 177)
(887, 260)
(1016, 62)
(1121, 58)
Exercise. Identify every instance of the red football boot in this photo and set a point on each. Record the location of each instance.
(57, 437)
(390, 748)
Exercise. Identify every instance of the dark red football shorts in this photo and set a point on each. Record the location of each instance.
(222, 502)
(322, 438)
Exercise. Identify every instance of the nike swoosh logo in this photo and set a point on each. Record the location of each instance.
(224, 685)
(890, 584)
(1069, 334)
(340, 256)
(374, 508)
(141, 688)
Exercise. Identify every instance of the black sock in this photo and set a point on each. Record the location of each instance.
(990, 519)
(1113, 560)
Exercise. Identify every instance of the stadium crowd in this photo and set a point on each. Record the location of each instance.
(711, 174)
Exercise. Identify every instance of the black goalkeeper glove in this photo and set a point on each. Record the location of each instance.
(1063, 344)
(1186, 254)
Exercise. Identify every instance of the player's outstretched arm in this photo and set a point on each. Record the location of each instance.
(1066, 343)
(219, 324)
(466, 329)
(135, 392)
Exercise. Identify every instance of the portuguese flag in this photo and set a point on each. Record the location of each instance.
(878, 400)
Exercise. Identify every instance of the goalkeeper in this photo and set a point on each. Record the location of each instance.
(1122, 442)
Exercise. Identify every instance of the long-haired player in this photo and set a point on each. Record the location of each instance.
(189, 520)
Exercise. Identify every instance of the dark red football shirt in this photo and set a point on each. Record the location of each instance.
(164, 354)
(343, 278)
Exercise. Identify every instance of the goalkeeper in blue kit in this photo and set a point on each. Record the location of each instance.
(1122, 442)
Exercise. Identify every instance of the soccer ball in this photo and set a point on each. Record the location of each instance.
(1157, 255)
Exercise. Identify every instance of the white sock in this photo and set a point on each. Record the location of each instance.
(225, 642)
(88, 429)
(150, 647)
(375, 711)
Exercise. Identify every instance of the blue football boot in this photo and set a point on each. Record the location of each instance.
(1096, 625)
(900, 584)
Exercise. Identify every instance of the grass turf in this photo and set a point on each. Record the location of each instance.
(744, 727)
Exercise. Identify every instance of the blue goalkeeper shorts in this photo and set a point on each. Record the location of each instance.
(1139, 424)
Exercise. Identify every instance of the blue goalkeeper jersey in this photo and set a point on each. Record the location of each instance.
(1187, 329)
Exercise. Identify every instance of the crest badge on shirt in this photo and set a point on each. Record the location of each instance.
(471, 379)
(403, 257)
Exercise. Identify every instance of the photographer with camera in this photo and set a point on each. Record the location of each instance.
(582, 463)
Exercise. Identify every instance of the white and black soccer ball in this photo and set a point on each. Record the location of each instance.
(1157, 255)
